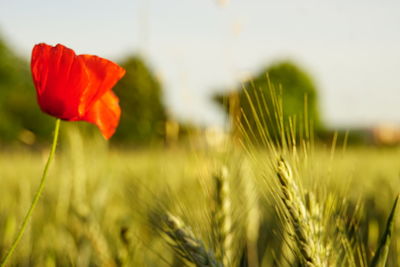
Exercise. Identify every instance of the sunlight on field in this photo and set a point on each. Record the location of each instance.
(99, 204)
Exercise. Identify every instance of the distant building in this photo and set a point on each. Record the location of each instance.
(386, 134)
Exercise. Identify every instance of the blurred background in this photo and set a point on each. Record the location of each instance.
(183, 57)
(192, 67)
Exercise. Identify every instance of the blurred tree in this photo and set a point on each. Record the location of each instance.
(278, 92)
(143, 115)
(20, 116)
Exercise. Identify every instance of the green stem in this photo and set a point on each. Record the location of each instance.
(36, 197)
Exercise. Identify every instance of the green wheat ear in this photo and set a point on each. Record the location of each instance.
(297, 214)
(222, 217)
(185, 244)
(382, 252)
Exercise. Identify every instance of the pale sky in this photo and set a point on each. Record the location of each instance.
(351, 48)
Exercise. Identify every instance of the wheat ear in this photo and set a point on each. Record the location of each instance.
(298, 216)
(222, 217)
(185, 244)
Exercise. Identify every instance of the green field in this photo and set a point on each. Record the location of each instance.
(112, 206)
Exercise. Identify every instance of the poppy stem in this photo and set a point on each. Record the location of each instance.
(36, 197)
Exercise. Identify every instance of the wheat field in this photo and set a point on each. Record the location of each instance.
(316, 205)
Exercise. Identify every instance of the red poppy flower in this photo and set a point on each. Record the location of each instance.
(76, 87)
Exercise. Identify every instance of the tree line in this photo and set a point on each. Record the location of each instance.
(282, 88)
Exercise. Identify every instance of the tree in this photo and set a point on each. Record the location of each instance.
(143, 115)
(279, 92)
(19, 112)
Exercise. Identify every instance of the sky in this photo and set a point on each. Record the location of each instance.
(196, 47)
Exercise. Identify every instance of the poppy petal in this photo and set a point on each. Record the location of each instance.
(76, 87)
(103, 75)
(60, 78)
(105, 113)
